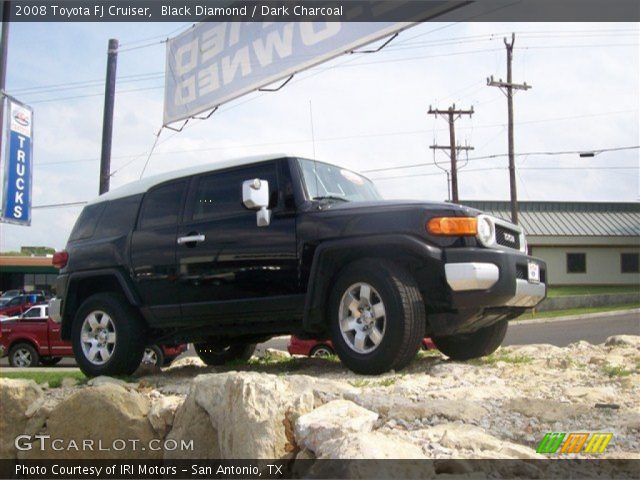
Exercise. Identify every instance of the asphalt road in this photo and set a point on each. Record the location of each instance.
(560, 333)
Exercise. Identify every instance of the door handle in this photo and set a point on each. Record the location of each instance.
(191, 239)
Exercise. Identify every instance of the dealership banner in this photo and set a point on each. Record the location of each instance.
(17, 163)
(213, 63)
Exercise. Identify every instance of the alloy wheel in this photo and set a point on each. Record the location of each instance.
(362, 318)
(98, 337)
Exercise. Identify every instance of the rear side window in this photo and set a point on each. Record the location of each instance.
(118, 217)
(161, 206)
(87, 221)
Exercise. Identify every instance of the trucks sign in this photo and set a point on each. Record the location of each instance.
(18, 162)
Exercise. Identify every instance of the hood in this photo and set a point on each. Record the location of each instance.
(381, 205)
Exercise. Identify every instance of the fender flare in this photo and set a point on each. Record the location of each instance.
(331, 256)
(71, 304)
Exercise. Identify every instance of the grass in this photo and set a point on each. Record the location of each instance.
(577, 311)
(591, 290)
(54, 379)
(502, 357)
(615, 371)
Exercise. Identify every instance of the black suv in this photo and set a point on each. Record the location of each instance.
(227, 256)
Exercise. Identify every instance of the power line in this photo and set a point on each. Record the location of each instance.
(486, 169)
(344, 137)
(59, 205)
(499, 155)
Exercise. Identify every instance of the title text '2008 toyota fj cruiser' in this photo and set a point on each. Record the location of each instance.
(230, 256)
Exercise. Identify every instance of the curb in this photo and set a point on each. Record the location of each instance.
(615, 313)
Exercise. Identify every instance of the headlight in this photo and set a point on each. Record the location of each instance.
(486, 231)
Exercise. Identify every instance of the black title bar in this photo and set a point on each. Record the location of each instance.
(322, 10)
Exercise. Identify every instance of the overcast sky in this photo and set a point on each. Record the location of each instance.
(369, 111)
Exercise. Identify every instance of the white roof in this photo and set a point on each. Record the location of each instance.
(141, 186)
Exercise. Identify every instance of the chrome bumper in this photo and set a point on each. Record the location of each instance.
(55, 309)
(478, 276)
(527, 294)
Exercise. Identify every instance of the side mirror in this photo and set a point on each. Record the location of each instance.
(255, 196)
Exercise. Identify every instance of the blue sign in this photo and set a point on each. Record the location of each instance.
(18, 164)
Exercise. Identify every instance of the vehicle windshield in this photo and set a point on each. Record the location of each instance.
(329, 182)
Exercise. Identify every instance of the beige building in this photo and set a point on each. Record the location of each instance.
(583, 243)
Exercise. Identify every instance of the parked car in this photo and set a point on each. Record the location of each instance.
(230, 255)
(324, 348)
(21, 303)
(9, 294)
(33, 338)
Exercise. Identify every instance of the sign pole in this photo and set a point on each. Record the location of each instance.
(107, 122)
(4, 49)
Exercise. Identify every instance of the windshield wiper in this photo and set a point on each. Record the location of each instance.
(330, 197)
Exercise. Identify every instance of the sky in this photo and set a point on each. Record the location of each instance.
(363, 112)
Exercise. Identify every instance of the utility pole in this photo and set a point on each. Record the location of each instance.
(107, 121)
(451, 114)
(4, 50)
(507, 88)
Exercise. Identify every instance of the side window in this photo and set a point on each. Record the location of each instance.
(576, 263)
(118, 217)
(15, 301)
(629, 262)
(220, 194)
(32, 313)
(161, 206)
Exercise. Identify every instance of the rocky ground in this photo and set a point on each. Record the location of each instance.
(282, 407)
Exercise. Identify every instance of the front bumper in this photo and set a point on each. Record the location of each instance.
(483, 278)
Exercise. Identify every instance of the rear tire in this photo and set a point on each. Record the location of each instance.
(50, 361)
(153, 356)
(23, 355)
(108, 336)
(376, 316)
(321, 351)
(214, 355)
(473, 345)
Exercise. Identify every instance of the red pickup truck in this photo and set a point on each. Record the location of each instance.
(33, 338)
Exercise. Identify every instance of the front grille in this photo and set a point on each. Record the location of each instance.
(507, 237)
(522, 272)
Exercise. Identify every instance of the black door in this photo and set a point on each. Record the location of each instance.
(153, 252)
(233, 270)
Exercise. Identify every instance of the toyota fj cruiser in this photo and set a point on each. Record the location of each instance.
(227, 256)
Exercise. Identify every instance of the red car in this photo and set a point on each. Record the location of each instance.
(19, 304)
(323, 348)
(33, 338)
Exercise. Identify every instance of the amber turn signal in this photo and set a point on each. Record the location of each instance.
(453, 226)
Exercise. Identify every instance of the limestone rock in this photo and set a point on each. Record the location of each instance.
(105, 415)
(623, 340)
(332, 420)
(68, 382)
(460, 436)
(192, 425)
(16, 396)
(162, 413)
(544, 409)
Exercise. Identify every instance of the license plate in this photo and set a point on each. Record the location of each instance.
(534, 272)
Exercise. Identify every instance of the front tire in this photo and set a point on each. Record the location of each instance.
(377, 317)
(108, 336)
(473, 345)
(23, 355)
(214, 354)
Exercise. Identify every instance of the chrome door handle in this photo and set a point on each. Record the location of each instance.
(191, 239)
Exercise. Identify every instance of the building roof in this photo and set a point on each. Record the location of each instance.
(23, 261)
(141, 186)
(575, 219)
